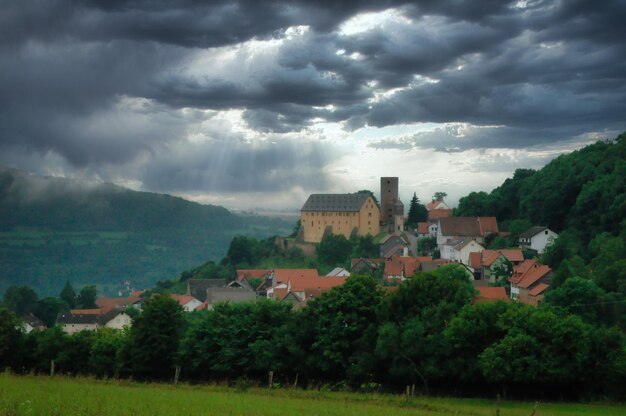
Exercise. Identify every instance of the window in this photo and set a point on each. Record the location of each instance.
(546, 232)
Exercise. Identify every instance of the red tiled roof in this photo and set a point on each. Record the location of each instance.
(521, 269)
(284, 275)
(280, 293)
(491, 257)
(468, 226)
(475, 259)
(533, 275)
(393, 268)
(303, 283)
(435, 214)
(513, 255)
(424, 258)
(433, 204)
(98, 311)
(251, 273)
(422, 228)
(539, 289)
(491, 294)
(402, 266)
(111, 303)
(182, 299)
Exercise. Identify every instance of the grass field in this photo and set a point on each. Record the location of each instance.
(29, 395)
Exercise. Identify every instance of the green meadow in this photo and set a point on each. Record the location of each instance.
(31, 395)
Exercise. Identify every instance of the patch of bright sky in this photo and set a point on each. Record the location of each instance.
(367, 21)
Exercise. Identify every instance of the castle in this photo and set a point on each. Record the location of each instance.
(352, 214)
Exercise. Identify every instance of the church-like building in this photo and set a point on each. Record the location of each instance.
(344, 214)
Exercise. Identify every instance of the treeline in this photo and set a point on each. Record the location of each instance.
(252, 253)
(427, 333)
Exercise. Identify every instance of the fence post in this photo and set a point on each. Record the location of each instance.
(176, 374)
(51, 368)
(498, 405)
(270, 381)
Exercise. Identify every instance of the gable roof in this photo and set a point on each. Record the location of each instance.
(33, 321)
(468, 226)
(284, 275)
(338, 271)
(302, 283)
(435, 214)
(465, 242)
(252, 273)
(182, 299)
(533, 276)
(475, 259)
(491, 294)
(532, 231)
(422, 228)
(539, 289)
(335, 202)
(117, 303)
(436, 205)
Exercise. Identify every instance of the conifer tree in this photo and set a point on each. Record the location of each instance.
(417, 212)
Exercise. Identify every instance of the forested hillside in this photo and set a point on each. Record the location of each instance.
(54, 229)
(581, 196)
(583, 191)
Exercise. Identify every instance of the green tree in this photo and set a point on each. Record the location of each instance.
(364, 247)
(68, 295)
(87, 297)
(10, 338)
(48, 309)
(439, 196)
(154, 339)
(338, 332)
(105, 351)
(21, 299)
(334, 250)
(417, 212)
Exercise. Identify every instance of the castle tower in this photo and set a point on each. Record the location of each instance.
(388, 199)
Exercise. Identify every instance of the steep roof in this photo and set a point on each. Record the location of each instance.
(284, 275)
(335, 202)
(491, 294)
(533, 276)
(338, 271)
(33, 321)
(435, 214)
(252, 273)
(182, 299)
(422, 228)
(435, 204)
(475, 259)
(468, 226)
(532, 231)
(465, 242)
(300, 283)
(539, 289)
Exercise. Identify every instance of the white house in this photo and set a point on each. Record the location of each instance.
(92, 319)
(537, 238)
(188, 302)
(463, 249)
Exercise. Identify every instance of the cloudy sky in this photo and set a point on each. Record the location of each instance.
(258, 104)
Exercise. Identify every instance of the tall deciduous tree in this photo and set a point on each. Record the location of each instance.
(21, 299)
(154, 339)
(87, 297)
(334, 250)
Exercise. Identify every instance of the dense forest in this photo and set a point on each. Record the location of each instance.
(54, 229)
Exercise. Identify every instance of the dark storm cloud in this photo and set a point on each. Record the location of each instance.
(105, 83)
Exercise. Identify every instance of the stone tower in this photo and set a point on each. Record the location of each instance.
(388, 199)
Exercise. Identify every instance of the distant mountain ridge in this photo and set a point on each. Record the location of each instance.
(55, 229)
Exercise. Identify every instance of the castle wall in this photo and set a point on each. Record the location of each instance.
(366, 220)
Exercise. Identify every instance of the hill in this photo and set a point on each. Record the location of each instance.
(57, 229)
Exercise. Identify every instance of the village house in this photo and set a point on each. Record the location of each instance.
(92, 319)
(189, 303)
(459, 250)
(494, 264)
(400, 267)
(537, 238)
(366, 266)
(32, 323)
(394, 245)
(344, 214)
(456, 230)
(301, 283)
(529, 281)
(231, 294)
